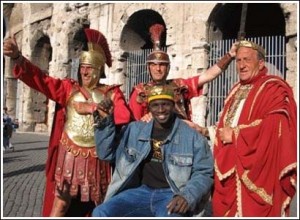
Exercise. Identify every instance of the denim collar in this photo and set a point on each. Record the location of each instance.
(145, 134)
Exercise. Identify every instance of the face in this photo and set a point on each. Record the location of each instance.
(88, 75)
(247, 63)
(162, 111)
(159, 71)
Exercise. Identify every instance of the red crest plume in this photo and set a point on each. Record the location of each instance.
(155, 32)
(99, 39)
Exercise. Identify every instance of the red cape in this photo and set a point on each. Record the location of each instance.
(256, 174)
(59, 91)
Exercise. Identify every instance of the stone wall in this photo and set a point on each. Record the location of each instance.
(187, 25)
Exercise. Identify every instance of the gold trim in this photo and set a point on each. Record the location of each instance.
(240, 94)
(258, 190)
(239, 211)
(225, 175)
(285, 204)
(287, 169)
(280, 127)
(236, 131)
(77, 150)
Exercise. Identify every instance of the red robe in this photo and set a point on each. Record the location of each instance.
(188, 88)
(256, 175)
(59, 91)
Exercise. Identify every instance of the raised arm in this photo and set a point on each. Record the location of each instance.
(33, 76)
(219, 67)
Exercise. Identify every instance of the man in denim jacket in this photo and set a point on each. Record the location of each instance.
(162, 169)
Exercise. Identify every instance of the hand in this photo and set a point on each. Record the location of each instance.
(233, 49)
(201, 130)
(83, 108)
(178, 205)
(10, 48)
(105, 107)
(147, 117)
(225, 135)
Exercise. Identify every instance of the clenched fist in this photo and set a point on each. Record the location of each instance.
(10, 48)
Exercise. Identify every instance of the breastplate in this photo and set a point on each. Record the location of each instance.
(79, 128)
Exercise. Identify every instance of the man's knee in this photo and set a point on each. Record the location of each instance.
(98, 212)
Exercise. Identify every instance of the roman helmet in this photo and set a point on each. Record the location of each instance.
(97, 55)
(157, 55)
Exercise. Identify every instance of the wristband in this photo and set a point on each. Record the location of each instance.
(224, 61)
(19, 54)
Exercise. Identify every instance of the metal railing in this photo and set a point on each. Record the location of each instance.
(136, 70)
(219, 88)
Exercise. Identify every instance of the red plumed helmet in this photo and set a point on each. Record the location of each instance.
(98, 50)
(157, 55)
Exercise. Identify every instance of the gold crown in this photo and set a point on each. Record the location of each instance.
(250, 44)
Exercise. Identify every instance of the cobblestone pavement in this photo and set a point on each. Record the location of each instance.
(23, 175)
(24, 178)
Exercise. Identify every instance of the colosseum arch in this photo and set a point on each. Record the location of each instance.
(68, 50)
(35, 105)
(41, 56)
(263, 19)
(77, 42)
(12, 18)
(264, 24)
(136, 44)
(135, 34)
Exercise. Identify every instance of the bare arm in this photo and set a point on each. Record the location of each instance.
(215, 70)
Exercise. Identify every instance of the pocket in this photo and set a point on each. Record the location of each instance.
(180, 168)
(127, 160)
(181, 160)
(130, 154)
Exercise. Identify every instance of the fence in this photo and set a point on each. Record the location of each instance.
(219, 88)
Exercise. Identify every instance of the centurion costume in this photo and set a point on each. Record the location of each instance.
(73, 167)
(184, 89)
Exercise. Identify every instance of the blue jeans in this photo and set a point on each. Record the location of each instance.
(142, 201)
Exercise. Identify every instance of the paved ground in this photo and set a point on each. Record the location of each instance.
(24, 177)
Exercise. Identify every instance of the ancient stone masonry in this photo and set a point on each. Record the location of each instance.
(51, 36)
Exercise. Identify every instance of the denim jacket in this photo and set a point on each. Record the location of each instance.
(187, 158)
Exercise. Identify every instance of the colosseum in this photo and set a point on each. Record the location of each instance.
(197, 34)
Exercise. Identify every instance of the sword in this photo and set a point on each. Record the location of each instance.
(242, 33)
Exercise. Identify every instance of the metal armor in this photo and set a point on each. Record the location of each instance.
(79, 128)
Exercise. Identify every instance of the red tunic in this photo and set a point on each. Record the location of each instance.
(256, 175)
(59, 91)
(185, 89)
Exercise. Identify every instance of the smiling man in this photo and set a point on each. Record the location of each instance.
(74, 184)
(162, 168)
(158, 66)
